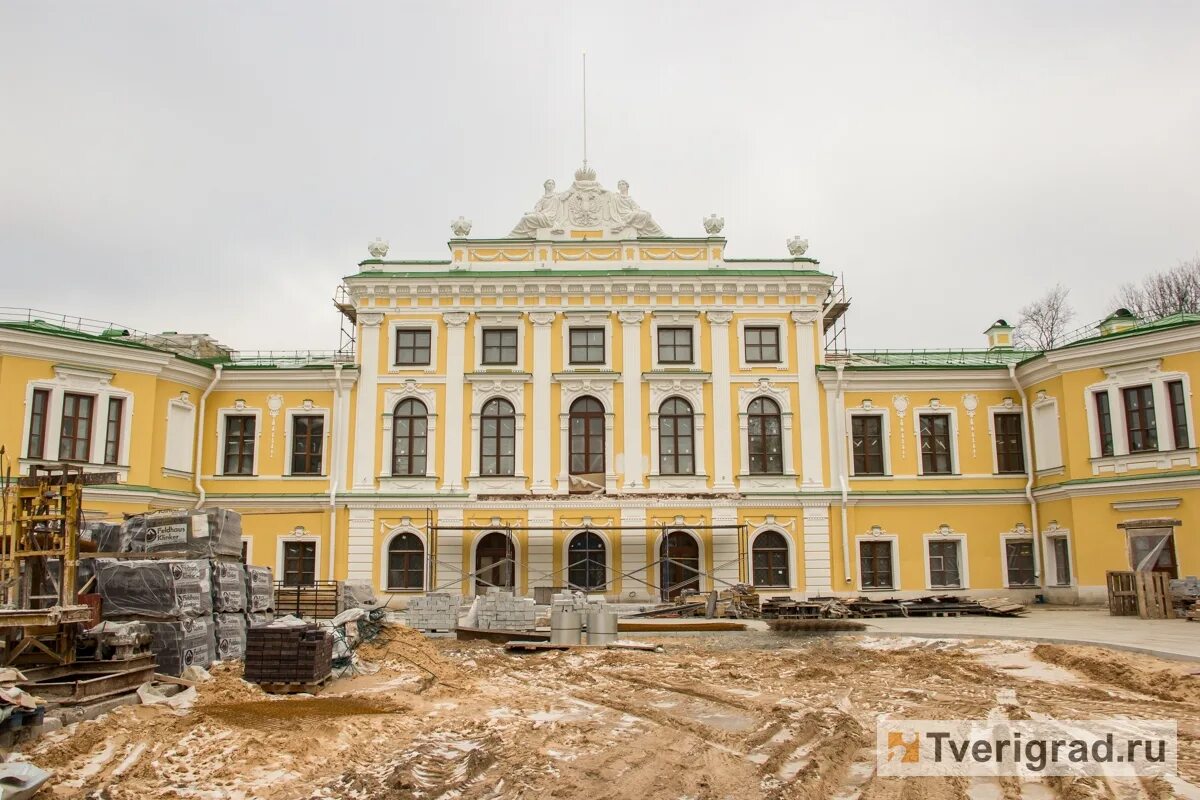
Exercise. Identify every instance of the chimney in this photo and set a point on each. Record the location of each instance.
(999, 336)
(1120, 320)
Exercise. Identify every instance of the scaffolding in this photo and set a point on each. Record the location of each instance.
(349, 322)
(670, 582)
(834, 309)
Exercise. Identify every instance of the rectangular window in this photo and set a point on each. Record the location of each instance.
(413, 347)
(112, 431)
(39, 405)
(1139, 418)
(866, 440)
(239, 444)
(75, 441)
(500, 346)
(935, 444)
(1178, 413)
(1062, 560)
(1010, 450)
(944, 569)
(762, 345)
(1104, 420)
(1018, 554)
(1145, 542)
(587, 345)
(308, 442)
(876, 565)
(675, 345)
(299, 563)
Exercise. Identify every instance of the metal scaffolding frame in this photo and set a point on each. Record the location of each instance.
(433, 561)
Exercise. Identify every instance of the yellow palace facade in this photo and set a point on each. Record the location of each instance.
(590, 402)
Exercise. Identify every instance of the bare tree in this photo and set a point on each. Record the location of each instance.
(1044, 321)
(1161, 294)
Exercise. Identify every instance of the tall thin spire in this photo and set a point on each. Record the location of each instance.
(585, 108)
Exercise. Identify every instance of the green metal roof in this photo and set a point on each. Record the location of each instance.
(1180, 320)
(628, 272)
(936, 359)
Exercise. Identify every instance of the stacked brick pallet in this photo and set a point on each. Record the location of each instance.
(436, 611)
(293, 656)
(500, 610)
(198, 605)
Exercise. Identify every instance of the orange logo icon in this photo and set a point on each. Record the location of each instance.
(906, 748)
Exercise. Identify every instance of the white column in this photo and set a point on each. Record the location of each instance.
(811, 455)
(541, 550)
(543, 374)
(366, 409)
(818, 565)
(723, 428)
(360, 561)
(456, 361)
(633, 464)
(633, 556)
(724, 547)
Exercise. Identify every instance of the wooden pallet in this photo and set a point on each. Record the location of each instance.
(299, 687)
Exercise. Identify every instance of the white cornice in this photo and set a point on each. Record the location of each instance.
(99, 356)
(263, 379)
(1107, 353)
(1093, 489)
(917, 379)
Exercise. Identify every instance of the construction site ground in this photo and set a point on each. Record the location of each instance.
(745, 715)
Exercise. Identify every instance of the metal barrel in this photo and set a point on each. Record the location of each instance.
(602, 627)
(564, 627)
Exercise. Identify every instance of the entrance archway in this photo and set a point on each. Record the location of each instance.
(680, 564)
(495, 562)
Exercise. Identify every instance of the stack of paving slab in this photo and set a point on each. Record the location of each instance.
(198, 605)
(499, 610)
(436, 611)
(577, 601)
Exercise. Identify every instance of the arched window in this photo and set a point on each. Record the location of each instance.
(765, 437)
(497, 438)
(587, 567)
(495, 562)
(771, 560)
(586, 425)
(410, 437)
(676, 438)
(406, 563)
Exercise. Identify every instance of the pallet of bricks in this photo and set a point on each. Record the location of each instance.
(289, 658)
(434, 612)
(180, 574)
(500, 610)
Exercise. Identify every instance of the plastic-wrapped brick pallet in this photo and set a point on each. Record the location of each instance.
(230, 635)
(229, 587)
(260, 589)
(259, 619)
(182, 643)
(166, 589)
(212, 533)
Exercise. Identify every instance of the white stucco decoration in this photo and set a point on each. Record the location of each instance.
(713, 224)
(970, 403)
(586, 204)
(377, 248)
(274, 406)
(900, 403)
(797, 246)
(461, 227)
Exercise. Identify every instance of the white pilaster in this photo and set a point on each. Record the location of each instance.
(541, 550)
(368, 391)
(633, 463)
(811, 453)
(724, 548)
(633, 556)
(723, 428)
(542, 378)
(818, 566)
(456, 336)
(450, 553)
(360, 561)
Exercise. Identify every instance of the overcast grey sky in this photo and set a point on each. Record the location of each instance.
(218, 167)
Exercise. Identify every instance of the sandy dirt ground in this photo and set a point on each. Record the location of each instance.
(739, 715)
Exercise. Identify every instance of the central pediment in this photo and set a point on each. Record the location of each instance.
(586, 210)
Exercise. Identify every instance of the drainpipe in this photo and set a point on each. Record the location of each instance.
(1033, 509)
(840, 423)
(335, 466)
(200, 435)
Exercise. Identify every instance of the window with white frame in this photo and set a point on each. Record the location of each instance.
(770, 559)
(586, 346)
(1010, 447)
(1058, 557)
(867, 444)
(762, 344)
(299, 562)
(181, 434)
(944, 562)
(307, 456)
(1139, 417)
(1019, 564)
(676, 339)
(414, 347)
(937, 444)
(78, 416)
(877, 563)
(239, 444)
